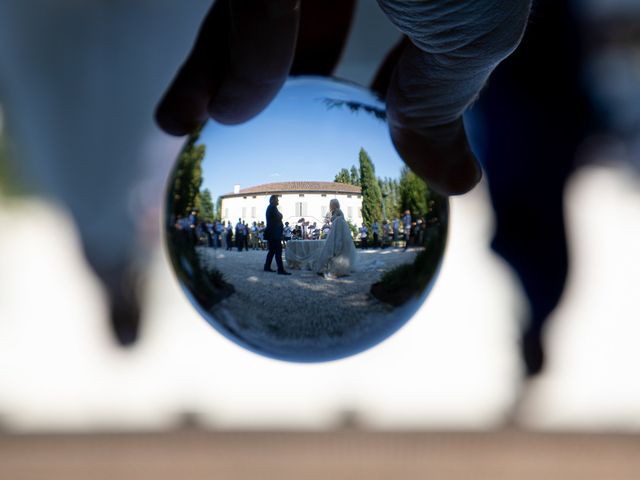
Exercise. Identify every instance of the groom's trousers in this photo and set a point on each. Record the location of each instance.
(275, 248)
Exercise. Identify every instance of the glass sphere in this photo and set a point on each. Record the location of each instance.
(313, 180)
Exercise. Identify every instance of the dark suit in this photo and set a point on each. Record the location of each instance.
(273, 232)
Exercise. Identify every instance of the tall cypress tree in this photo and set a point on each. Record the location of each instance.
(218, 214)
(371, 194)
(187, 178)
(206, 206)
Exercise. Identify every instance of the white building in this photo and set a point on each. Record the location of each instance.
(308, 200)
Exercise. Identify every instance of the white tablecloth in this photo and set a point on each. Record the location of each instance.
(302, 254)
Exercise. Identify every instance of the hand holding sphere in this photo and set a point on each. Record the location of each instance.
(239, 64)
(246, 49)
(320, 148)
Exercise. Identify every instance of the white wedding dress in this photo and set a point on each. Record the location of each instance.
(338, 255)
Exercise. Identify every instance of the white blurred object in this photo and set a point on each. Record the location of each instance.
(58, 372)
(79, 82)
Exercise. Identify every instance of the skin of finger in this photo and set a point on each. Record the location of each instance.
(440, 154)
(429, 153)
(324, 28)
(262, 42)
(442, 157)
(382, 78)
(184, 106)
(478, 33)
(454, 48)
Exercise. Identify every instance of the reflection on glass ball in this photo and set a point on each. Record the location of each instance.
(313, 180)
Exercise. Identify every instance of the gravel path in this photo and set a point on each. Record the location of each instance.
(303, 314)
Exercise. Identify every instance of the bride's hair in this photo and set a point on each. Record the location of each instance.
(334, 203)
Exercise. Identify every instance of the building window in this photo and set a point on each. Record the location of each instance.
(244, 198)
(244, 212)
(301, 209)
(253, 212)
(348, 196)
(301, 195)
(323, 195)
(226, 213)
(253, 196)
(323, 209)
(349, 213)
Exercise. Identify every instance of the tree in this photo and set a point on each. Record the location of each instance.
(371, 194)
(218, 215)
(350, 177)
(414, 193)
(355, 176)
(206, 206)
(393, 204)
(390, 191)
(343, 176)
(187, 178)
(354, 229)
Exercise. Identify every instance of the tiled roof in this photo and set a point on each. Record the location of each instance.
(297, 187)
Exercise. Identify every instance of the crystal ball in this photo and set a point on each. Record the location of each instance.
(301, 235)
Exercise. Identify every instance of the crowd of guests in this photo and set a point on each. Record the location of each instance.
(400, 232)
(217, 234)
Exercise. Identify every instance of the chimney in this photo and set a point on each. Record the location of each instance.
(236, 188)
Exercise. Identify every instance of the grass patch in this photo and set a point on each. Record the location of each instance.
(399, 285)
(208, 286)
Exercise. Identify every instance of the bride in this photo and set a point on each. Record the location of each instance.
(338, 255)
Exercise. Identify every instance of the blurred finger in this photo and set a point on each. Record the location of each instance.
(454, 48)
(438, 154)
(382, 78)
(437, 151)
(184, 105)
(324, 28)
(262, 39)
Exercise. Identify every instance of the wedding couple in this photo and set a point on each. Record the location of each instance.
(338, 254)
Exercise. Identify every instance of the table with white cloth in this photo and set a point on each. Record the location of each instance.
(302, 254)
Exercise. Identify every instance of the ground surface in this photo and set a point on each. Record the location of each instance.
(196, 455)
(305, 314)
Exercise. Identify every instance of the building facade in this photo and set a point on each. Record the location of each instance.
(308, 200)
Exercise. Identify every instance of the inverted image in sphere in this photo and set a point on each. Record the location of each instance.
(301, 234)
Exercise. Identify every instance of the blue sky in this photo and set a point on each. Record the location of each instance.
(298, 138)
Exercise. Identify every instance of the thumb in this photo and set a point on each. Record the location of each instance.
(454, 46)
(262, 44)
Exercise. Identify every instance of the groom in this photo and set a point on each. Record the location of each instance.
(273, 233)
